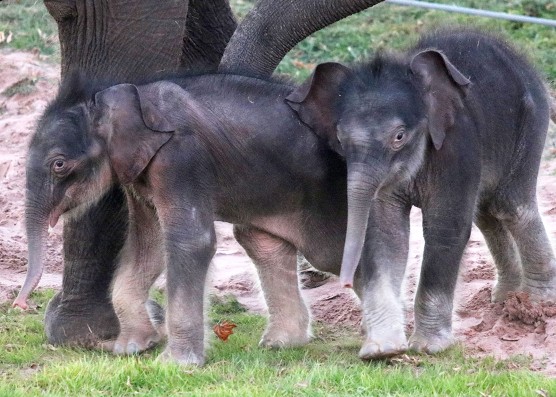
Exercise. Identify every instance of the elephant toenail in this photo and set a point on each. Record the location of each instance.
(118, 348)
(132, 348)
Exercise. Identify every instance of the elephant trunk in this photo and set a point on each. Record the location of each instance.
(37, 227)
(362, 186)
(272, 28)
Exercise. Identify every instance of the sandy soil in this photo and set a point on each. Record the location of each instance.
(514, 327)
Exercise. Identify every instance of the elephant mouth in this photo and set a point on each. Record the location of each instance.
(55, 216)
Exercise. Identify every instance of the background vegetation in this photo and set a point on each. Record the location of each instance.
(384, 26)
(329, 365)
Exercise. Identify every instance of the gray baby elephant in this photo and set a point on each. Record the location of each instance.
(214, 147)
(455, 126)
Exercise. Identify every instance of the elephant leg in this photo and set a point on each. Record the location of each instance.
(142, 261)
(537, 255)
(82, 313)
(504, 251)
(275, 260)
(309, 277)
(383, 266)
(446, 229)
(120, 41)
(209, 26)
(190, 243)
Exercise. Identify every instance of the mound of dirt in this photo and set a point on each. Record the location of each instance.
(517, 326)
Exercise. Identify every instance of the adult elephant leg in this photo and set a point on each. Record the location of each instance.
(209, 26)
(120, 40)
(82, 312)
(273, 27)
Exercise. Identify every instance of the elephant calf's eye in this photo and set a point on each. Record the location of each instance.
(59, 166)
(399, 139)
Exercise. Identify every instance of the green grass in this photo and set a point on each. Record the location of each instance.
(31, 28)
(328, 366)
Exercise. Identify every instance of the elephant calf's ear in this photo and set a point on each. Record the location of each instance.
(444, 87)
(137, 131)
(315, 101)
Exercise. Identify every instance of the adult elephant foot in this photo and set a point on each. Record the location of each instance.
(313, 278)
(82, 312)
(309, 277)
(431, 342)
(72, 323)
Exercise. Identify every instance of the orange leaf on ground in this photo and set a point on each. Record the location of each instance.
(224, 329)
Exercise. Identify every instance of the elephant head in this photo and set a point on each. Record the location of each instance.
(98, 140)
(382, 117)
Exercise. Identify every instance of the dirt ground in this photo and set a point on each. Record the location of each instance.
(514, 327)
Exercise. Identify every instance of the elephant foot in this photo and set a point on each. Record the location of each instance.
(282, 337)
(157, 315)
(503, 287)
(134, 343)
(378, 348)
(313, 278)
(431, 343)
(74, 323)
(141, 329)
(183, 357)
(540, 290)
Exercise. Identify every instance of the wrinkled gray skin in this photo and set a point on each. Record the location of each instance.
(455, 126)
(186, 158)
(125, 41)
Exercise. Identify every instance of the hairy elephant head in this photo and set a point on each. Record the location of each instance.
(85, 143)
(382, 117)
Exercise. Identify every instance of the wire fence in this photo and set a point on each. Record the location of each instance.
(474, 11)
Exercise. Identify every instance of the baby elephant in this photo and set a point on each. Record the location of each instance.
(455, 126)
(187, 153)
